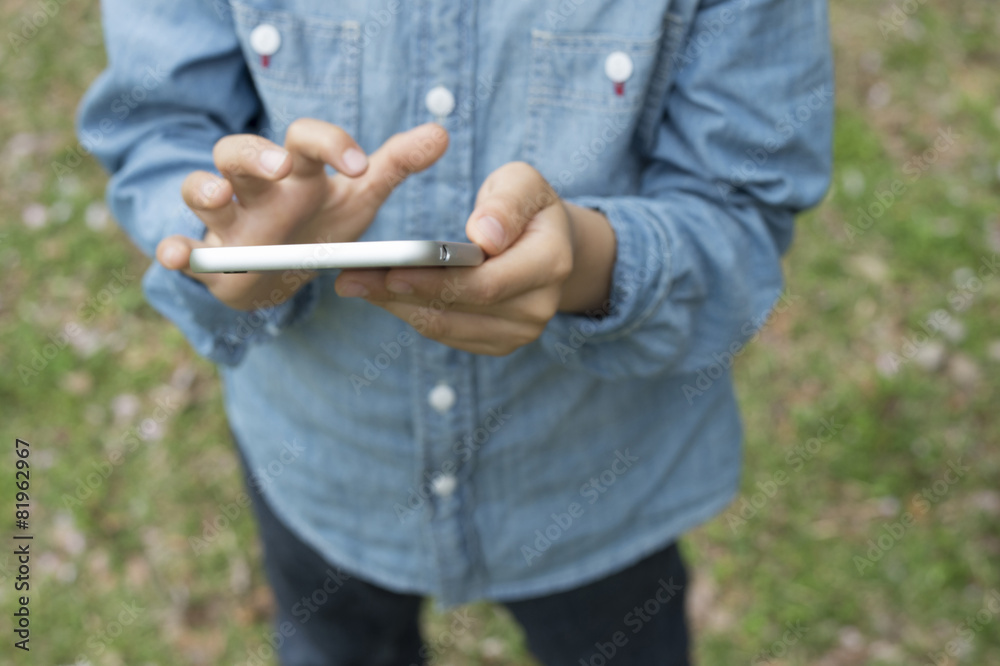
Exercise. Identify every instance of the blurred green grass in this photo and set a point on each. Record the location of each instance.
(129, 383)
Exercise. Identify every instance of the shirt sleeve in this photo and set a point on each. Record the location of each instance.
(176, 83)
(743, 145)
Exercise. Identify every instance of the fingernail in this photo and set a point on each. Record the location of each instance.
(172, 255)
(272, 159)
(353, 290)
(398, 287)
(354, 160)
(491, 228)
(209, 189)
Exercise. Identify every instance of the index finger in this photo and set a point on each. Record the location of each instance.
(314, 144)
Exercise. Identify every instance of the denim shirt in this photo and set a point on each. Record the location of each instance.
(430, 470)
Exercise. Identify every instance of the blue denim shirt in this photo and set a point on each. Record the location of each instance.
(435, 471)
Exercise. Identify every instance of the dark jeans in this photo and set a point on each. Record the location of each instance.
(327, 618)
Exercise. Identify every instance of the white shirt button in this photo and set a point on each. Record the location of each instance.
(265, 39)
(618, 67)
(440, 102)
(442, 397)
(444, 485)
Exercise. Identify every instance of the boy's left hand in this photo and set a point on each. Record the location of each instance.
(544, 256)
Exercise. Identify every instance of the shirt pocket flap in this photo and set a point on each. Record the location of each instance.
(590, 95)
(313, 72)
(569, 71)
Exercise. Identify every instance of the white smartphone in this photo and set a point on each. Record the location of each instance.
(315, 256)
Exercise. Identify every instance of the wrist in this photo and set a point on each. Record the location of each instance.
(270, 290)
(594, 249)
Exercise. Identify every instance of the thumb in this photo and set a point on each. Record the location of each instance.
(404, 154)
(508, 200)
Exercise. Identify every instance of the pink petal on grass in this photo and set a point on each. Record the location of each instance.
(34, 216)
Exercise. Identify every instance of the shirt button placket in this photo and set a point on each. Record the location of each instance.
(443, 76)
(442, 399)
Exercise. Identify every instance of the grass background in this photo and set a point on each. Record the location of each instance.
(858, 295)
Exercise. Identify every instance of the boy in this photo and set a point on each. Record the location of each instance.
(538, 430)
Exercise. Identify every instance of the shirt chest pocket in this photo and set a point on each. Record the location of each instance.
(590, 96)
(302, 66)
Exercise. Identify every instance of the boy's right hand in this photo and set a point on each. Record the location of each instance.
(284, 196)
